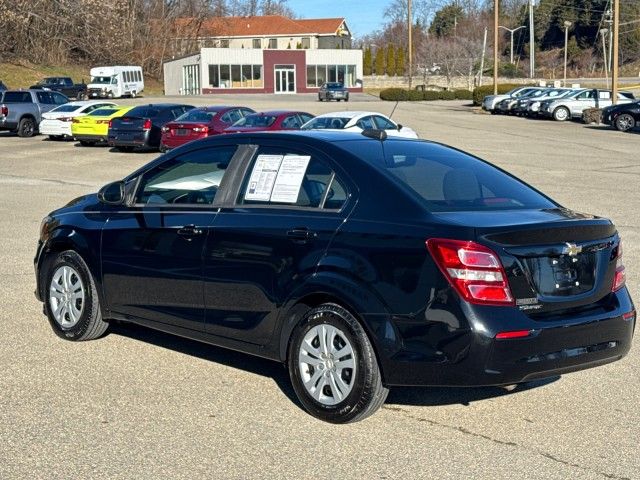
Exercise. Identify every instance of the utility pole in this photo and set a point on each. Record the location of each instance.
(410, 49)
(495, 46)
(532, 43)
(614, 70)
(567, 24)
(512, 31)
(484, 49)
(609, 22)
(603, 32)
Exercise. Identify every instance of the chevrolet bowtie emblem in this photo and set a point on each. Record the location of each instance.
(572, 249)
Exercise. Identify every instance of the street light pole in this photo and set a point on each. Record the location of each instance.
(567, 24)
(512, 31)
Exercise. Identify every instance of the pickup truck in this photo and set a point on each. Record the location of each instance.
(63, 85)
(21, 110)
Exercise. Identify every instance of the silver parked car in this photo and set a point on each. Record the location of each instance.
(507, 105)
(490, 101)
(572, 106)
(333, 91)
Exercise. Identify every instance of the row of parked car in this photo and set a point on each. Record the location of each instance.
(561, 104)
(162, 126)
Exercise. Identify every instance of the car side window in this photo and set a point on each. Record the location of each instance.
(366, 123)
(604, 95)
(192, 178)
(226, 117)
(246, 111)
(176, 112)
(45, 97)
(292, 179)
(305, 117)
(59, 99)
(383, 123)
(291, 121)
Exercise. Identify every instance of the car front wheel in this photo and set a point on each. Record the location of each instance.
(561, 114)
(333, 367)
(624, 122)
(71, 300)
(27, 127)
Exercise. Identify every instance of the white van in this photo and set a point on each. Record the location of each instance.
(117, 81)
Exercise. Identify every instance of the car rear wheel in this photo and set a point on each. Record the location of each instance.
(71, 299)
(625, 122)
(26, 127)
(333, 368)
(561, 114)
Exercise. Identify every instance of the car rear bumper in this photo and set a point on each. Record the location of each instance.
(551, 349)
(83, 137)
(178, 141)
(6, 125)
(54, 127)
(130, 139)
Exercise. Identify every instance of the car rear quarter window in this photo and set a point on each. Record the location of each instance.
(17, 97)
(283, 178)
(449, 180)
(192, 178)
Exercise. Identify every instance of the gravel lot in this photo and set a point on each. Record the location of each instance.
(141, 404)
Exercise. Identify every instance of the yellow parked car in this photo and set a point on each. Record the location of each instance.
(93, 128)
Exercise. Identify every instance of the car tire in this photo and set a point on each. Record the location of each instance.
(346, 99)
(624, 122)
(133, 94)
(71, 300)
(26, 127)
(320, 99)
(350, 389)
(561, 114)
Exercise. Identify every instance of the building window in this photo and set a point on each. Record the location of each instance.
(350, 81)
(257, 43)
(235, 76)
(311, 76)
(341, 74)
(273, 43)
(224, 43)
(322, 75)
(305, 42)
(332, 73)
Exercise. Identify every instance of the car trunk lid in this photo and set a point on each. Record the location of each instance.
(129, 124)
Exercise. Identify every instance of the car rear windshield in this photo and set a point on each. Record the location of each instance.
(69, 107)
(256, 121)
(334, 86)
(196, 115)
(17, 97)
(102, 112)
(144, 111)
(321, 123)
(449, 180)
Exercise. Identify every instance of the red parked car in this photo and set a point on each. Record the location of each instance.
(200, 122)
(271, 120)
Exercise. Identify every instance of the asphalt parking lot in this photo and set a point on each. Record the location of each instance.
(141, 404)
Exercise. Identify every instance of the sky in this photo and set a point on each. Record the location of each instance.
(362, 16)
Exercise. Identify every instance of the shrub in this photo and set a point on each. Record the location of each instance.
(447, 95)
(463, 94)
(431, 95)
(480, 92)
(592, 115)
(400, 94)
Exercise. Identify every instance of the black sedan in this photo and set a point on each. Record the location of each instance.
(333, 91)
(623, 117)
(141, 127)
(361, 262)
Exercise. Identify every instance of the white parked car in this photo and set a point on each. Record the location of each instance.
(357, 122)
(57, 122)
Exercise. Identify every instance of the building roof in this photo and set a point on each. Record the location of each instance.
(260, 26)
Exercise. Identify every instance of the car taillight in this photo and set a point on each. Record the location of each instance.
(165, 129)
(473, 270)
(110, 123)
(102, 122)
(65, 119)
(75, 120)
(147, 125)
(200, 129)
(4, 110)
(620, 277)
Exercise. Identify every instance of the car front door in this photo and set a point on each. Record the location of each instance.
(152, 250)
(584, 100)
(267, 241)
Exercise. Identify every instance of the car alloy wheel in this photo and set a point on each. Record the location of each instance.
(625, 122)
(327, 364)
(66, 296)
(561, 114)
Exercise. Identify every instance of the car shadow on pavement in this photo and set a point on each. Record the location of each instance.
(211, 353)
(439, 396)
(611, 129)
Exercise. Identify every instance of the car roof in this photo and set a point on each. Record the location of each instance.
(276, 112)
(349, 114)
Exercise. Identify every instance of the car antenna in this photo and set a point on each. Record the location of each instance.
(394, 109)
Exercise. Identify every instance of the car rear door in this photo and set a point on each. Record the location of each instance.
(267, 240)
(152, 250)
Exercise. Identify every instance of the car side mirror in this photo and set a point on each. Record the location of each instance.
(399, 127)
(112, 193)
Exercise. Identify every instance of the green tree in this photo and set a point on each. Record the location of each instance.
(400, 66)
(379, 61)
(391, 60)
(367, 62)
(445, 20)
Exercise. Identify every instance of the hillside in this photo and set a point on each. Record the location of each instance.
(25, 74)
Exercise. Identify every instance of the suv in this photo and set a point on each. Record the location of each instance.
(572, 107)
(21, 110)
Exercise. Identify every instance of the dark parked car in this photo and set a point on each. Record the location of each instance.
(333, 91)
(141, 127)
(623, 117)
(63, 85)
(361, 263)
(200, 122)
(269, 121)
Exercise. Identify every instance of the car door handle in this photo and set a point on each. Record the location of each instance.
(300, 235)
(189, 231)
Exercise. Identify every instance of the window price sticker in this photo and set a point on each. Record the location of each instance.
(263, 178)
(277, 178)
